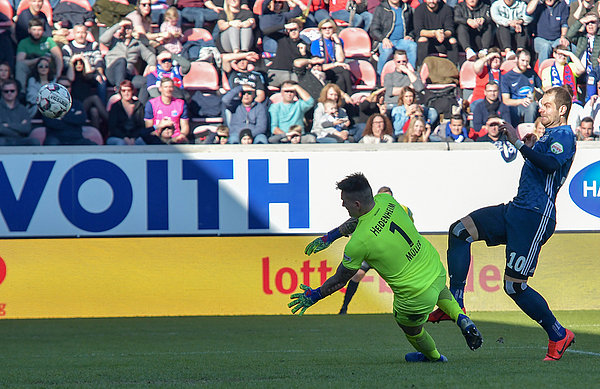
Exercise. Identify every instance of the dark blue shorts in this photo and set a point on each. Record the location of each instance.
(521, 230)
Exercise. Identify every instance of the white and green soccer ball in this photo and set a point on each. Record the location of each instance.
(54, 100)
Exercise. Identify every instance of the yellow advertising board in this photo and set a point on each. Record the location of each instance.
(167, 276)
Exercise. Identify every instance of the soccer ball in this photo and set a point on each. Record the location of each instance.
(53, 100)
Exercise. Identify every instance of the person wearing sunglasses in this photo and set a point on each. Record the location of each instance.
(166, 68)
(331, 48)
(15, 125)
(583, 33)
(245, 113)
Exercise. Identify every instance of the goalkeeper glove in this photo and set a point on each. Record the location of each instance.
(304, 300)
(323, 242)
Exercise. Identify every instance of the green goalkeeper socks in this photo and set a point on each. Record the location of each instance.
(424, 343)
(448, 304)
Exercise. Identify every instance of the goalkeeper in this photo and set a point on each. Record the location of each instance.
(386, 238)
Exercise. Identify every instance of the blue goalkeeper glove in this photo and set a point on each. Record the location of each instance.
(323, 242)
(304, 300)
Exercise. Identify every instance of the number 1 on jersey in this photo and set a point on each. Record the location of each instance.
(394, 227)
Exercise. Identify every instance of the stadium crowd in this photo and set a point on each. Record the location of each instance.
(294, 71)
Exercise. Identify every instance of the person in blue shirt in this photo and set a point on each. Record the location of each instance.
(551, 17)
(525, 223)
(518, 88)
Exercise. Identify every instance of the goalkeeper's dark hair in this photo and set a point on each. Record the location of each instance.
(357, 186)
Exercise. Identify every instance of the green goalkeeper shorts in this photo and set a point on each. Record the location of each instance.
(414, 311)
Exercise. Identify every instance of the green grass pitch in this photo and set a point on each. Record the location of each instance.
(290, 351)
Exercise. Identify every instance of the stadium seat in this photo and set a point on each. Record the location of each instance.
(389, 67)
(524, 129)
(341, 23)
(93, 134)
(6, 9)
(225, 81)
(467, 76)
(507, 66)
(424, 74)
(357, 97)
(112, 100)
(357, 43)
(257, 9)
(312, 33)
(202, 76)
(276, 98)
(38, 133)
(46, 9)
(364, 72)
(197, 34)
(546, 64)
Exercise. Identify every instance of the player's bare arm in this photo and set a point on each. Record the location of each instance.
(337, 281)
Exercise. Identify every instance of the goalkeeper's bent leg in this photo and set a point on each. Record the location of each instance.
(448, 304)
(424, 343)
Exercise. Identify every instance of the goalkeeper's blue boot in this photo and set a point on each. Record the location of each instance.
(420, 357)
(470, 332)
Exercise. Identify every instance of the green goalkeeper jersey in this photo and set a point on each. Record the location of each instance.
(387, 239)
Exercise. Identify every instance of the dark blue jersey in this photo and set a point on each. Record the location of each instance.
(537, 188)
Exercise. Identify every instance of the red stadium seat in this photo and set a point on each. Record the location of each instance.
(46, 9)
(225, 81)
(276, 98)
(507, 66)
(546, 64)
(38, 133)
(6, 9)
(389, 67)
(524, 129)
(93, 134)
(364, 72)
(112, 100)
(467, 76)
(257, 9)
(197, 34)
(358, 97)
(312, 33)
(202, 76)
(341, 23)
(357, 43)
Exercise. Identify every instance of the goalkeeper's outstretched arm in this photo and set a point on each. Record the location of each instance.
(337, 281)
(321, 243)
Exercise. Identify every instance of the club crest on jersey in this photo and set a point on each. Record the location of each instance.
(556, 148)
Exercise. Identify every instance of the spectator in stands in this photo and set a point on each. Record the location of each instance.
(379, 129)
(84, 87)
(293, 136)
(34, 11)
(166, 112)
(317, 12)
(511, 20)
(490, 105)
(369, 105)
(474, 28)
(392, 29)
(236, 25)
(585, 131)
(584, 35)
(402, 76)
(246, 137)
(126, 118)
(172, 31)
(565, 70)
(242, 75)
(41, 75)
(166, 68)
(275, 15)
(246, 113)
(91, 52)
(453, 131)
(125, 52)
(518, 90)
(331, 48)
(341, 10)
(592, 106)
(551, 18)
(15, 125)
(492, 127)
(331, 125)
(34, 47)
(408, 109)
(290, 112)
(311, 75)
(142, 25)
(434, 28)
(288, 50)
(67, 14)
(7, 74)
(68, 130)
(486, 68)
(199, 11)
(417, 131)
(343, 101)
(7, 54)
